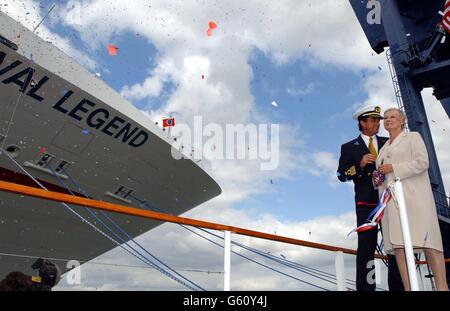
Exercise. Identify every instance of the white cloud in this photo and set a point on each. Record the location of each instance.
(308, 89)
(153, 85)
(325, 164)
(380, 92)
(30, 13)
(179, 35)
(27, 12)
(223, 95)
(242, 178)
(440, 130)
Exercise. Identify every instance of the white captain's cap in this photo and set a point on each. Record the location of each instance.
(368, 111)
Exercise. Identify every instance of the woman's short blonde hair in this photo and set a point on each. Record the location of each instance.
(400, 113)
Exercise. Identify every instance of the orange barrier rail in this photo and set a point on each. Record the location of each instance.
(106, 206)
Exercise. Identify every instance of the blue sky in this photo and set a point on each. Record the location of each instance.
(316, 115)
(323, 93)
(262, 51)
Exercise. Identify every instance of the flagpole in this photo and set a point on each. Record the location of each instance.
(409, 253)
(170, 117)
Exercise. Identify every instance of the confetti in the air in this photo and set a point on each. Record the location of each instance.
(112, 50)
(211, 26)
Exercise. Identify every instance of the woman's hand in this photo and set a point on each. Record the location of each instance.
(385, 168)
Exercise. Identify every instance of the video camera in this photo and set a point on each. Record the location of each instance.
(49, 273)
(49, 276)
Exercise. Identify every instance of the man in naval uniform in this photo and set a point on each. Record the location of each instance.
(357, 162)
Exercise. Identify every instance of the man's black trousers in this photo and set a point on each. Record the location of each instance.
(367, 242)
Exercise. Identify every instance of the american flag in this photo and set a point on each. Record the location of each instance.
(446, 19)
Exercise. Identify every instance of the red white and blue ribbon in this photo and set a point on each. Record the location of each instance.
(446, 16)
(376, 214)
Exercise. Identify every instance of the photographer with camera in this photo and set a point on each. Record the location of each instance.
(49, 276)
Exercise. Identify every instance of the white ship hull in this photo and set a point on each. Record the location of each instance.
(64, 111)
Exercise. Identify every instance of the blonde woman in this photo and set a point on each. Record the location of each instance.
(405, 156)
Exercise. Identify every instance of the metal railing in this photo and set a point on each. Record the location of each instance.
(228, 230)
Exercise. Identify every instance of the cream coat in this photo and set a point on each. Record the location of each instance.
(409, 159)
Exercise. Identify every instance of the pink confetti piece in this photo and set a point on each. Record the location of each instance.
(211, 25)
(112, 50)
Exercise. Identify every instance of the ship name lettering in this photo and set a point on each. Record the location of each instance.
(99, 118)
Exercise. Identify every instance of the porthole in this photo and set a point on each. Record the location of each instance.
(13, 151)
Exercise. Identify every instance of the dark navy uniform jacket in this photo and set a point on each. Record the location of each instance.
(350, 169)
